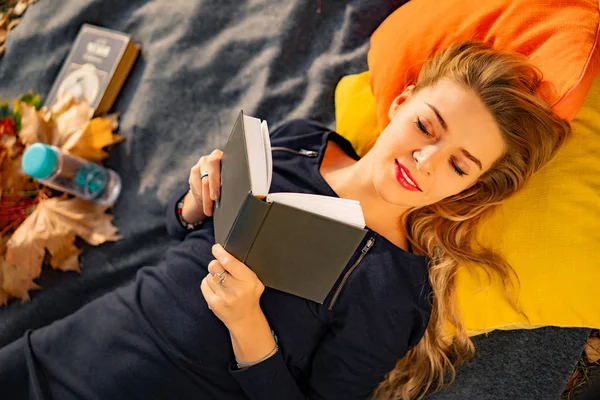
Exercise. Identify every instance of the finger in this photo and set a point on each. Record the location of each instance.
(216, 287)
(209, 295)
(207, 203)
(214, 173)
(214, 267)
(195, 183)
(236, 268)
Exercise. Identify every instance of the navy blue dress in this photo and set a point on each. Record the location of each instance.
(156, 338)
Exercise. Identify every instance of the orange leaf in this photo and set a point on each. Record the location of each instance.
(12, 179)
(573, 379)
(592, 349)
(52, 227)
(3, 294)
(15, 284)
(88, 143)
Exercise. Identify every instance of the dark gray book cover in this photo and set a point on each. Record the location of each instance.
(95, 68)
(289, 249)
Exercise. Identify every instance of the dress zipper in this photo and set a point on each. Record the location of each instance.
(363, 252)
(302, 152)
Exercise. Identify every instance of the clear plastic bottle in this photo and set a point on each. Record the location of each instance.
(74, 175)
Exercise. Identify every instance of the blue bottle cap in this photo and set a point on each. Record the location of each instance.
(39, 161)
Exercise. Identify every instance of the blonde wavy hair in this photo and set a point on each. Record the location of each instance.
(446, 231)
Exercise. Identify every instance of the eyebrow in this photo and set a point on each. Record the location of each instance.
(472, 158)
(445, 127)
(439, 116)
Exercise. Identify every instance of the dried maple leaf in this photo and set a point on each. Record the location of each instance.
(33, 126)
(13, 23)
(52, 227)
(592, 349)
(3, 294)
(573, 379)
(89, 142)
(72, 121)
(12, 179)
(74, 133)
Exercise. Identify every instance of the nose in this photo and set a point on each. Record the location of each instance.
(426, 159)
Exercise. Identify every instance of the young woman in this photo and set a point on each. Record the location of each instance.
(201, 325)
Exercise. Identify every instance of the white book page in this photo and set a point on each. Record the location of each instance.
(268, 154)
(257, 160)
(343, 210)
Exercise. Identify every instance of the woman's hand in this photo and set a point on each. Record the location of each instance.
(198, 203)
(232, 290)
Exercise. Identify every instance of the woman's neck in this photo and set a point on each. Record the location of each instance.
(351, 179)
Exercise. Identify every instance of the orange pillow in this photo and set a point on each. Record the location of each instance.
(560, 37)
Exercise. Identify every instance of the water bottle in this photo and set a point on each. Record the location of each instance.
(74, 175)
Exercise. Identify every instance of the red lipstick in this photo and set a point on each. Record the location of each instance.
(405, 179)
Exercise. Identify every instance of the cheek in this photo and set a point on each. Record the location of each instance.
(447, 184)
(398, 137)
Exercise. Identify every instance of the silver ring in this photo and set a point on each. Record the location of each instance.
(222, 276)
(204, 174)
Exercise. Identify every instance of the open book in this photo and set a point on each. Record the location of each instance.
(295, 242)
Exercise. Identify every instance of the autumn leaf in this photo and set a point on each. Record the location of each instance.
(70, 122)
(88, 143)
(52, 227)
(33, 126)
(74, 133)
(573, 379)
(15, 284)
(12, 179)
(592, 349)
(3, 294)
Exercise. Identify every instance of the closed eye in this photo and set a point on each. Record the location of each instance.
(459, 171)
(424, 130)
(422, 127)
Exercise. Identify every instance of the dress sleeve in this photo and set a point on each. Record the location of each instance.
(363, 344)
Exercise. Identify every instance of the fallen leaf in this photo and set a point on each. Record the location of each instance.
(12, 178)
(15, 284)
(60, 105)
(573, 379)
(33, 127)
(88, 143)
(52, 227)
(20, 8)
(592, 349)
(70, 263)
(13, 23)
(3, 294)
(64, 251)
(3, 35)
(3, 297)
(73, 121)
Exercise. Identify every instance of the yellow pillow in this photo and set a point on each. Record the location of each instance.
(549, 232)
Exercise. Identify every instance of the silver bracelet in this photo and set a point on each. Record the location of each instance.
(242, 364)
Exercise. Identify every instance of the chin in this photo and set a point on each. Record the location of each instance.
(395, 195)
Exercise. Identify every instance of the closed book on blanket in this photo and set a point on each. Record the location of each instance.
(96, 68)
(295, 242)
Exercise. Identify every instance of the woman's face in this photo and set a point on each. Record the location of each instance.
(438, 143)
